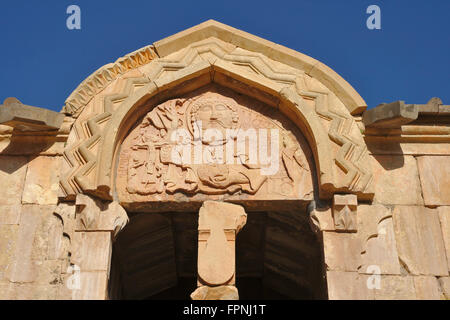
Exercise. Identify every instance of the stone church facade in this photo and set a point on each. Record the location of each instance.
(214, 164)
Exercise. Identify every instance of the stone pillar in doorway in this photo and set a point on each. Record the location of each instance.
(218, 225)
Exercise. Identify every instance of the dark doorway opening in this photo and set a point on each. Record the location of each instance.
(277, 257)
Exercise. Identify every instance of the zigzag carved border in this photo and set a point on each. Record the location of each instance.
(349, 156)
(79, 157)
(101, 78)
(351, 152)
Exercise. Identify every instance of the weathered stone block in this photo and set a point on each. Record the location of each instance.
(6, 290)
(49, 272)
(419, 240)
(93, 250)
(42, 181)
(12, 176)
(31, 245)
(435, 179)
(322, 218)
(444, 218)
(395, 288)
(354, 286)
(341, 251)
(8, 236)
(348, 286)
(9, 214)
(3, 270)
(396, 180)
(43, 241)
(444, 285)
(378, 246)
(94, 286)
(427, 288)
(381, 251)
(34, 292)
(24, 269)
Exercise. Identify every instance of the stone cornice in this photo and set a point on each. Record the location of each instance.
(394, 115)
(15, 114)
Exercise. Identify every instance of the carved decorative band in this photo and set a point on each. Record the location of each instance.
(101, 78)
(83, 160)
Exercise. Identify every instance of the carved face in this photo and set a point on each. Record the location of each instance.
(215, 115)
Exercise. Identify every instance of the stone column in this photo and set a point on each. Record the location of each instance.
(218, 225)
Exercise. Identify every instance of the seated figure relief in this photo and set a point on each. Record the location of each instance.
(211, 144)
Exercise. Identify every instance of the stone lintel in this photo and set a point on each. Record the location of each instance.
(27, 118)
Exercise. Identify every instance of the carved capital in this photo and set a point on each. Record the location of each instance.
(344, 212)
(95, 215)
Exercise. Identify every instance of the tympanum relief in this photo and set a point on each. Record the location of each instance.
(213, 144)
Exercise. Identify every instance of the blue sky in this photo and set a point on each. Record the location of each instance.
(408, 59)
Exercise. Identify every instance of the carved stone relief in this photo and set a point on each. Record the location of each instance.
(344, 212)
(215, 144)
(87, 170)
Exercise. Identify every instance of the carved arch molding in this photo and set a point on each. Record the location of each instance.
(111, 104)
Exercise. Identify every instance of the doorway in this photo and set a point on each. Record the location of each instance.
(277, 257)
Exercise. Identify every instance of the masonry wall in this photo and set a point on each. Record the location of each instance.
(32, 256)
(404, 233)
